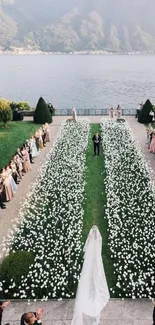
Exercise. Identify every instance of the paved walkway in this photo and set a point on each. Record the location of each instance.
(117, 312)
(139, 131)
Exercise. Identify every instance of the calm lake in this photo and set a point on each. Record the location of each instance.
(83, 81)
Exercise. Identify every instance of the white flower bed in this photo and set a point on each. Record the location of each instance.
(130, 210)
(52, 217)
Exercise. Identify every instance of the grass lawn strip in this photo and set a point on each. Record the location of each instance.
(94, 203)
(14, 136)
(51, 220)
(130, 212)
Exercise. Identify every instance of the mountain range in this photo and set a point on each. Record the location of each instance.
(76, 25)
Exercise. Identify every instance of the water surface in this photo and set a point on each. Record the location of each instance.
(84, 81)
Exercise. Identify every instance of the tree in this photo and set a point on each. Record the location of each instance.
(5, 111)
(42, 114)
(144, 114)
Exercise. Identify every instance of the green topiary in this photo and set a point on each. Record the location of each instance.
(14, 267)
(42, 114)
(5, 111)
(144, 114)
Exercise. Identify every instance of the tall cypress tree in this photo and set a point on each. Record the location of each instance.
(144, 114)
(42, 114)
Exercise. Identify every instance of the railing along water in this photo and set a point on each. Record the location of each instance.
(85, 112)
(92, 112)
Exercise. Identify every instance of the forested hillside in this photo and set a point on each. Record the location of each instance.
(54, 25)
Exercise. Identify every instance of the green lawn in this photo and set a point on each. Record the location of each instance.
(94, 203)
(13, 137)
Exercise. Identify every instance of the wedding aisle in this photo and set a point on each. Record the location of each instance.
(117, 311)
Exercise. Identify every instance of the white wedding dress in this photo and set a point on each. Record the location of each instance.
(92, 293)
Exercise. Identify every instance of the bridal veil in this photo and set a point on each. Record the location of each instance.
(92, 293)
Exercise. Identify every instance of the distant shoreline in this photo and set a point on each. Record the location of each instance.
(28, 52)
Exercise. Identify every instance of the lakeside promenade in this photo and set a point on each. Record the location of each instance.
(117, 312)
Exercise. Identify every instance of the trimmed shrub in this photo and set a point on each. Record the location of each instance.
(12, 268)
(17, 116)
(24, 106)
(5, 111)
(21, 106)
(144, 114)
(42, 114)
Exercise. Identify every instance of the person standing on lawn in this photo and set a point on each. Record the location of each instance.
(96, 140)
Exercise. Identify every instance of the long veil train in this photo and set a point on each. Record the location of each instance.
(92, 293)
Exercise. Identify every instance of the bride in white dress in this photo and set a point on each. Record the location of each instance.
(92, 293)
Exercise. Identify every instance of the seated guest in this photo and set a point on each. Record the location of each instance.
(31, 318)
(3, 305)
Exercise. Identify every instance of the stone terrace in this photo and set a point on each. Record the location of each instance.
(117, 312)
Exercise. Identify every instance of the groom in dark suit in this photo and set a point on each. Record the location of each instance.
(96, 140)
(31, 318)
